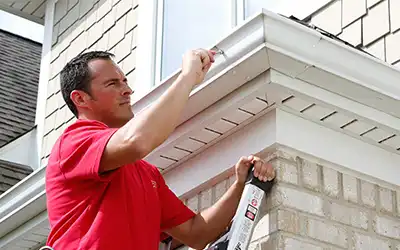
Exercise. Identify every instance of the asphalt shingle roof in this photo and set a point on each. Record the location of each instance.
(11, 173)
(19, 79)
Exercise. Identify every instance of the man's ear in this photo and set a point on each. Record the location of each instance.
(80, 98)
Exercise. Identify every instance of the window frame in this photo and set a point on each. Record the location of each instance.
(150, 42)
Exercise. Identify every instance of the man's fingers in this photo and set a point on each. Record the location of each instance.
(270, 173)
(204, 57)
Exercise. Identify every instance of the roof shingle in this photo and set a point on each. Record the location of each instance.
(19, 78)
(11, 173)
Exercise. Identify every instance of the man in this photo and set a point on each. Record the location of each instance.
(100, 193)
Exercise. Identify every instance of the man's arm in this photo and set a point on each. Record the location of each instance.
(149, 129)
(207, 225)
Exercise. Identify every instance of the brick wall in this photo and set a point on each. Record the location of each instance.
(80, 26)
(317, 207)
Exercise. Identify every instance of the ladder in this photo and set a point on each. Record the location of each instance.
(238, 235)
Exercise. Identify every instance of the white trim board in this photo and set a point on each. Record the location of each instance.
(279, 129)
(44, 75)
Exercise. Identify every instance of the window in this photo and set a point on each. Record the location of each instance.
(188, 24)
(175, 26)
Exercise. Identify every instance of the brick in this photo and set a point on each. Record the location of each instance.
(389, 227)
(193, 203)
(368, 242)
(371, 3)
(117, 33)
(352, 33)
(295, 244)
(350, 188)
(385, 200)
(323, 231)
(288, 221)
(205, 199)
(392, 47)
(220, 190)
(376, 23)
(394, 16)
(310, 175)
(377, 49)
(352, 216)
(286, 171)
(353, 10)
(368, 194)
(268, 243)
(266, 224)
(329, 19)
(295, 199)
(330, 179)
(131, 20)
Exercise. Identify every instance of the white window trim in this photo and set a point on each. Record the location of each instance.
(44, 75)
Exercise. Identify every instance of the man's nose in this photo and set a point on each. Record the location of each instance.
(127, 90)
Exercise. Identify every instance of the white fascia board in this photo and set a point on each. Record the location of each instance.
(29, 190)
(39, 221)
(353, 155)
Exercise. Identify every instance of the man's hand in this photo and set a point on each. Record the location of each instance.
(196, 64)
(262, 170)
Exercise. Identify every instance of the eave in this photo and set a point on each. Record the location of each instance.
(269, 62)
(33, 10)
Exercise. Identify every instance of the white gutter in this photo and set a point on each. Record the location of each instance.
(247, 42)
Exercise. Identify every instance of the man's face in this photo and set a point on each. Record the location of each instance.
(110, 102)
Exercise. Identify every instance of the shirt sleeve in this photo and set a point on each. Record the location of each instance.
(81, 151)
(173, 211)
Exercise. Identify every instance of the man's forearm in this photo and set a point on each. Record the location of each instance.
(213, 221)
(154, 125)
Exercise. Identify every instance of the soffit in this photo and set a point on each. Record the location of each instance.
(33, 10)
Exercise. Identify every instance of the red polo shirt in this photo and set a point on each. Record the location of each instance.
(125, 209)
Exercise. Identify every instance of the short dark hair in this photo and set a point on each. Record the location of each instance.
(76, 75)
